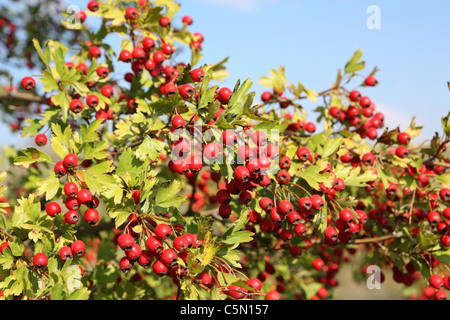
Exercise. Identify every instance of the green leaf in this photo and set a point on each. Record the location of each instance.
(238, 237)
(31, 155)
(90, 134)
(331, 146)
(49, 186)
(149, 148)
(354, 65)
(166, 195)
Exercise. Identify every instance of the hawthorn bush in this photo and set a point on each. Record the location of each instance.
(164, 184)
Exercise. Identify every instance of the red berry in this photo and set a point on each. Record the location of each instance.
(78, 248)
(125, 241)
(28, 83)
(160, 268)
(40, 139)
(52, 209)
(40, 260)
(125, 265)
(197, 75)
(70, 160)
(371, 81)
(355, 96)
(71, 217)
(178, 122)
(91, 216)
(303, 154)
(402, 152)
(65, 253)
(318, 264)
(84, 196)
(131, 13)
(164, 22)
(93, 5)
(403, 138)
(163, 231)
(187, 20)
(273, 295)
(95, 52)
(76, 105)
(436, 281)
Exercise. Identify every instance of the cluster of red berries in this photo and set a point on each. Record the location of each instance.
(76, 197)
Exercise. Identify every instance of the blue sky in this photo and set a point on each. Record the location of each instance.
(312, 39)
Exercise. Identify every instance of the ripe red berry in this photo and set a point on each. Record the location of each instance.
(71, 189)
(303, 154)
(145, 259)
(92, 100)
(125, 241)
(72, 203)
(403, 138)
(78, 248)
(371, 81)
(125, 265)
(76, 105)
(444, 194)
(346, 215)
(91, 216)
(224, 95)
(285, 207)
(167, 49)
(148, 44)
(160, 268)
(300, 230)
(368, 159)
(107, 91)
(71, 217)
(159, 57)
(60, 169)
(242, 173)
(164, 22)
(125, 56)
(245, 197)
(163, 231)
(187, 20)
(40, 260)
(134, 252)
(95, 52)
(283, 177)
(317, 202)
(138, 54)
(84, 196)
(28, 83)
(402, 152)
(52, 209)
(225, 211)
(40, 139)
(365, 102)
(93, 5)
(131, 13)
(65, 253)
(197, 75)
(266, 204)
(355, 96)
(436, 281)
(434, 218)
(102, 71)
(273, 295)
(154, 245)
(168, 257)
(70, 160)
(318, 264)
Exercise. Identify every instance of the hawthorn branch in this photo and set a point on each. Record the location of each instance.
(23, 96)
